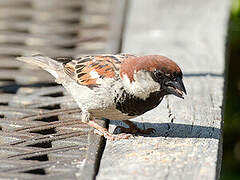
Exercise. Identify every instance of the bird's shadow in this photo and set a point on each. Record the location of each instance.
(175, 130)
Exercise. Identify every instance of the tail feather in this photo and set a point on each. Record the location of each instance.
(41, 61)
(44, 62)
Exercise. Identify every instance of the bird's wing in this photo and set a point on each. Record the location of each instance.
(87, 70)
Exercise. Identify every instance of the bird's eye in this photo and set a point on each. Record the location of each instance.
(157, 76)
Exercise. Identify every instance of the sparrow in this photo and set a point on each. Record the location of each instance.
(115, 87)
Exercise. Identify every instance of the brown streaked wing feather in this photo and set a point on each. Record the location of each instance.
(105, 65)
(69, 69)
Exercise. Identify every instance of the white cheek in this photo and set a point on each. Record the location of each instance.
(142, 85)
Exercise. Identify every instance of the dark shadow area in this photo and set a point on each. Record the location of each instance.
(51, 107)
(36, 171)
(45, 131)
(13, 88)
(202, 74)
(174, 130)
(58, 94)
(38, 158)
(42, 145)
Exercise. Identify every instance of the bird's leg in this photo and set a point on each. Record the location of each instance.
(133, 129)
(104, 132)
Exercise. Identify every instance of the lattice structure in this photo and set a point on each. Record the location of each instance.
(41, 134)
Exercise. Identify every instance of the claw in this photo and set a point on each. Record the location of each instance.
(114, 137)
(148, 131)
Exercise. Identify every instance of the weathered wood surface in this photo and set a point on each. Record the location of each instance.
(188, 141)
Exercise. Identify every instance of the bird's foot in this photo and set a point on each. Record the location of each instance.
(104, 132)
(113, 137)
(133, 129)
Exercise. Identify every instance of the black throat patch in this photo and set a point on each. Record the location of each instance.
(134, 106)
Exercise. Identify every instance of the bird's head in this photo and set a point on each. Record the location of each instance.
(146, 74)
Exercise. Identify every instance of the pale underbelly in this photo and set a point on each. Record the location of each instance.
(110, 113)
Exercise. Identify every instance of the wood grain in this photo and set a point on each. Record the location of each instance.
(188, 141)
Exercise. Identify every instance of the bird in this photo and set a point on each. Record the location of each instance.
(114, 86)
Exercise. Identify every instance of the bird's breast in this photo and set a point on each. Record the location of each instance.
(134, 106)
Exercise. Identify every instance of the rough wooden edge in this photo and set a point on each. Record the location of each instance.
(226, 72)
(96, 146)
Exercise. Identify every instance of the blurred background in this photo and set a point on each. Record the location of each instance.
(231, 138)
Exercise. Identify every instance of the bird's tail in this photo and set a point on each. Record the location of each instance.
(44, 62)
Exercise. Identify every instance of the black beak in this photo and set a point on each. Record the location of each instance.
(176, 88)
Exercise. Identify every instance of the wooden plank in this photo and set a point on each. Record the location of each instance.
(187, 144)
(117, 24)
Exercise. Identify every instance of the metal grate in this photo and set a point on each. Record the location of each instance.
(41, 134)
